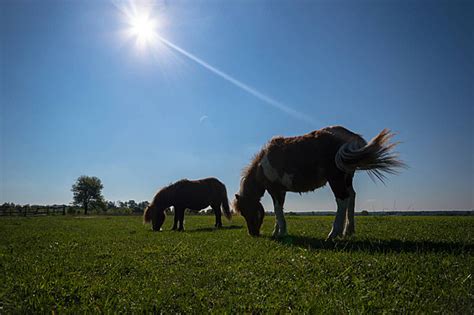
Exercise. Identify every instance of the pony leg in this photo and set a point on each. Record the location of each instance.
(276, 229)
(180, 213)
(339, 220)
(157, 219)
(349, 228)
(342, 199)
(217, 213)
(280, 223)
(175, 223)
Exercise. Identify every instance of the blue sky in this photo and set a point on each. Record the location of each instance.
(77, 98)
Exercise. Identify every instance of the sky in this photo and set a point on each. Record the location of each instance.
(79, 97)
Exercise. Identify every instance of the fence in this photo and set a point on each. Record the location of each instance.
(33, 210)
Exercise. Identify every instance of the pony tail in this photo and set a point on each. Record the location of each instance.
(225, 204)
(147, 215)
(376, 157)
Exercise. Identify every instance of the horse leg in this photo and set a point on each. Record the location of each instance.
(217, 213)
(349, 228)
(180, 214)
(157, 219)
(175, 223)
(341, 192)
(278, 198)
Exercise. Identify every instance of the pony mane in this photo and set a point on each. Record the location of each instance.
(163, 191)
(248, 180)
(247, 170)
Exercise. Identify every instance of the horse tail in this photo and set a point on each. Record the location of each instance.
(376, 157)
(147, 215)
(225, 204)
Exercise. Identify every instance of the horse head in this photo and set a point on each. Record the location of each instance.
(253, 212)
(155, 215)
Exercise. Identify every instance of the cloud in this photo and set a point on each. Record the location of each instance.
(204, 117)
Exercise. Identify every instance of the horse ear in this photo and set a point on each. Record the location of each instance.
(237, 196)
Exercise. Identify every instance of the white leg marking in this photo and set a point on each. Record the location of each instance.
(339, 220)
(349, 228)
(280, 224)
(276, 229)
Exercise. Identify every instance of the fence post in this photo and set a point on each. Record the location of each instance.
(64, 209)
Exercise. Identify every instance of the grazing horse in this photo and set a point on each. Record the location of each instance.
(188, 194)
(304, 163)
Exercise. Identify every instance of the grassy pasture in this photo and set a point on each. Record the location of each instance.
(115, 264)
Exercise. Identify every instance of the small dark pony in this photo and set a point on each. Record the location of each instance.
(185, 194)
(305, 163)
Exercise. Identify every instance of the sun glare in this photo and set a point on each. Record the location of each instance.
(142, 24)
(142, 27)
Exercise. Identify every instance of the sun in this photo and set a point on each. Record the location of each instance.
(142, 22)
(143, 28)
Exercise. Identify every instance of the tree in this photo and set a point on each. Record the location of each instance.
(132, 205)
(142, 205)
(111, 205)
(87, 191)
(122, 204)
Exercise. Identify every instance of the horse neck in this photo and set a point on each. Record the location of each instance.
(250, 187)
(162, 200)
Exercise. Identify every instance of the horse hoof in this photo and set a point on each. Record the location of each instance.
(279, 235)
(332, 236)
(348, 234)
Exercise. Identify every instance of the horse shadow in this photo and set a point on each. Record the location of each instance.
(213, 229)
(376, 245)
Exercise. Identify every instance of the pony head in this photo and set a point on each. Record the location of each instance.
(155, 215)
(253, 212)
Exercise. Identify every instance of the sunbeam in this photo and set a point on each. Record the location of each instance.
(265, 98)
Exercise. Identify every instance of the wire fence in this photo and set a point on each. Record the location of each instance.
(33, 210)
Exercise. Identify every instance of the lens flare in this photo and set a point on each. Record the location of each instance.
(143, 28)
(142, 23)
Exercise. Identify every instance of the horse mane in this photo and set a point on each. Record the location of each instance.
(248, 180)
(164, 191)
(147, 215)
(247, 170)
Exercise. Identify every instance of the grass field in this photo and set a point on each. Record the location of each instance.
(115, 264)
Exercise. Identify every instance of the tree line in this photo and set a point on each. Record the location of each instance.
(109, 207)
(87, 197)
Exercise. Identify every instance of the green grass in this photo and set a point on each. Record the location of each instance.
(115, 264)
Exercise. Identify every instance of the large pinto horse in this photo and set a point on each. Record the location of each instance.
(188, 194)
(304, 163)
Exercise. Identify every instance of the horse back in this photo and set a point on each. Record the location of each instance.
(197, 194)
(304, 163)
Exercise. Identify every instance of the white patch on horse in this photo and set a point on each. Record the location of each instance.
(272, 174)
(280, 223)
(279, 213)
(337, 227)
